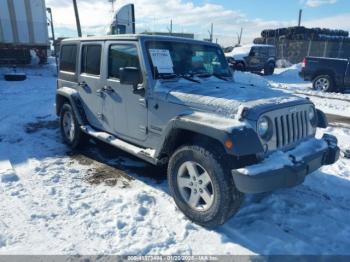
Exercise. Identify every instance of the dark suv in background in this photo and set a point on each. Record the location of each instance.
(253, 58)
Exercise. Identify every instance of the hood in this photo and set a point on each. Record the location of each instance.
(239, 53)
(229, 98)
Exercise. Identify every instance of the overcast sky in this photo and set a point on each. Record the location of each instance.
(195, 16)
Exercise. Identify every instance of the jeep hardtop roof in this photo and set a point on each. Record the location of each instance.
(135, 37)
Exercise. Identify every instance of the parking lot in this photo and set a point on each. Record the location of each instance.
(100, 200)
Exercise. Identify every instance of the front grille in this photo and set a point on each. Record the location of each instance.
(290, 128)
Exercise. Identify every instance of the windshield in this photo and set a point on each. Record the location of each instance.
(181, 59)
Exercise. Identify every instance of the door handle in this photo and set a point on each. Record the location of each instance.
(82, 84)
(108, 89)
(100, 92)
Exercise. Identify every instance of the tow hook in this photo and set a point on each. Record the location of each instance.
(347, 154)
(331, 140)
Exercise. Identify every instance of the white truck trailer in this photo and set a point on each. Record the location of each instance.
(23, 27)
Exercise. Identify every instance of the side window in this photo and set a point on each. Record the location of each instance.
(120, 56)
(264, 51)
(254, 51)
(68, 58)
(91, 59)
(258, 51)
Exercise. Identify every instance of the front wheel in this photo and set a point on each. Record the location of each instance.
(202, 186)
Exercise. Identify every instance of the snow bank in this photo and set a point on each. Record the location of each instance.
(289, 80)
(283, 63)
(250, 79)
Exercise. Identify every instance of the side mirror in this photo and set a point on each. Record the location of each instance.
(130, 76)
(252, 53)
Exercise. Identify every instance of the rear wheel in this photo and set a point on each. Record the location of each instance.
(240, 66)
(269, 69)
(324, 83)
(70, 129)
(202, 186)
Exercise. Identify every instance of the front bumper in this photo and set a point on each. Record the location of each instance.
(289, 175)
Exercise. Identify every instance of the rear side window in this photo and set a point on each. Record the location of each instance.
(68, 58)
(264, 51)
(254, 51)
(272, 51)
(91, 59)
(120, 56)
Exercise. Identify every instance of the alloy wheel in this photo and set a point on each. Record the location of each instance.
(195, 186)
(68, 125)
(322, 84)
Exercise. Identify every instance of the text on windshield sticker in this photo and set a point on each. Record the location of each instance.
(162, 60)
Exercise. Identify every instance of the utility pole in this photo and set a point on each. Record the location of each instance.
(77, 17)
(51, 24)
(300, 15)
(170, 29)
(49, 10)
(239, 36)
(112, 3)
(211, 32)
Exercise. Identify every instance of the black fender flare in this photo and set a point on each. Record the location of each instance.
(72, 96)
(245, 140)
(322, 121)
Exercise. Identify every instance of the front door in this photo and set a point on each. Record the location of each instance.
(253, 59)
(125, 110)
(90, 83)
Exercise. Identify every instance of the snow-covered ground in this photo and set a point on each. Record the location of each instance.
(103, 201)
(289, 80)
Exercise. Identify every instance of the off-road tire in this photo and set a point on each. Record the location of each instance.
(240, 66)
(269, 69)
(326, 78)
(79, 138)
(227, 199)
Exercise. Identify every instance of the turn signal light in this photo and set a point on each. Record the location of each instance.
(228, 144)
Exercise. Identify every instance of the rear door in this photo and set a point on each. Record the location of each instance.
(90, 84)
(254, 58)
(125, 109)
(263, 56)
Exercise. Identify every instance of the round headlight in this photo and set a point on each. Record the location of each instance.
(264, 127)
(312, 116)
(311, 113)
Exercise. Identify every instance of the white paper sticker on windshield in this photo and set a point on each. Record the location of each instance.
(162, 60)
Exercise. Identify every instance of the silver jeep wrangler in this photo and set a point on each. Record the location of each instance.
(173, 101)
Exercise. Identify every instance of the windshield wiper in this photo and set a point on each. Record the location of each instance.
(172, 76)
(205, 75)
(189, 78)
(167, 76)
